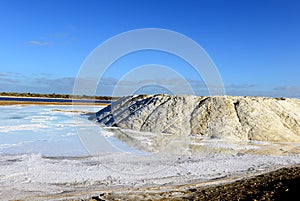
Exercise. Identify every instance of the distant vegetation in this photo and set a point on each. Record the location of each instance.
(54, 95)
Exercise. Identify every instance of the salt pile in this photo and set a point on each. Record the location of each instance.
(224, 117)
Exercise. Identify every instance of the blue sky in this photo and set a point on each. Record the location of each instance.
(254, 43)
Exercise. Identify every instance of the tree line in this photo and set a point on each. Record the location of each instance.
(54, 95)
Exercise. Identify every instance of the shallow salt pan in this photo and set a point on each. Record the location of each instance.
(35, 129)
(47, 130)
(51, 160)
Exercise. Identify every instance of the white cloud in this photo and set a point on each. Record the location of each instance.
(8, 80)
(241, 86)
(37, 43)
(59, 35)
(288, 88)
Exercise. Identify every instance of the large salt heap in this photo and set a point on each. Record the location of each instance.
(224, 117)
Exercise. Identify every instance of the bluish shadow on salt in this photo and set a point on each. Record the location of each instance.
(123, 147)
(50, 130)
(98, 141)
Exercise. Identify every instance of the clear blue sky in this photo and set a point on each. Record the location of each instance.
(254, 43)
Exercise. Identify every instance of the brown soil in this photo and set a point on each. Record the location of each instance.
(282, 184)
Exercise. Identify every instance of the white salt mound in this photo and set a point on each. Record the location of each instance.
(223, 117)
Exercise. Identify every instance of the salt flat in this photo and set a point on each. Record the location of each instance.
(42, 158)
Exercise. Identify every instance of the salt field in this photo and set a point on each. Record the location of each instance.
(54, 152)
(41, 130)
(50, 131)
